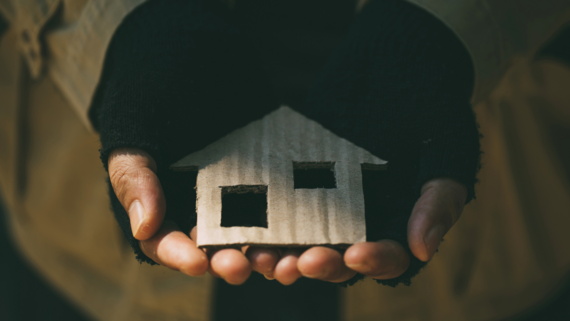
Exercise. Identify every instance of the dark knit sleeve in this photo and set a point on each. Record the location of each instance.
(177, 77)
(159, 58)
(399, 86)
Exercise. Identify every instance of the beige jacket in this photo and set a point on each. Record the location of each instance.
(508, 252)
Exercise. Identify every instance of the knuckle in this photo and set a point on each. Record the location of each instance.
(119, 177)
(124, 177)
(149, 249)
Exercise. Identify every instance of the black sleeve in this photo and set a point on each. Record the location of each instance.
(177, 77)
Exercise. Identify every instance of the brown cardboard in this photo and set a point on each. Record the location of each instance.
(261, 157)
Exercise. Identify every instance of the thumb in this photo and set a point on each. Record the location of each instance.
(132, 172)
(438, 208)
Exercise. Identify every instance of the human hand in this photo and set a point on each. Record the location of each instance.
(438, 208)
(133, 176)
(194, 79)
(399, 87)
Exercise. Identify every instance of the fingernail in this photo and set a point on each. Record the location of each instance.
(360, 267)
(432, 240)
(318, 275)
(136, 214)
(268, 277)
(313, 276)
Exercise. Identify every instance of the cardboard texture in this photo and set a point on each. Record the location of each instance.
(297, 183)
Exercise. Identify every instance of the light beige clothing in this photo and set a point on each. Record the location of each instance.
(54, 186)
(507, 253)
(497, 33)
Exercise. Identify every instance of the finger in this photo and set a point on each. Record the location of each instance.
(382, 260)
(194, 233)
(263, 260)
(325, 264)
(213, 273)
(231, 265)
(193, 236)
(438, 208)
(286, 271)
(174, 249)
(133, 175)
(208, 252)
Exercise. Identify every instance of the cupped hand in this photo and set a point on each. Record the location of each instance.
(438, 208)
(133, 176)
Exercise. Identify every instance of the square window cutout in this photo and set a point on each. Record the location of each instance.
(244, 205)
(314, 175)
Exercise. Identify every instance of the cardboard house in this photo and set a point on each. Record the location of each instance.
(281, 180)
